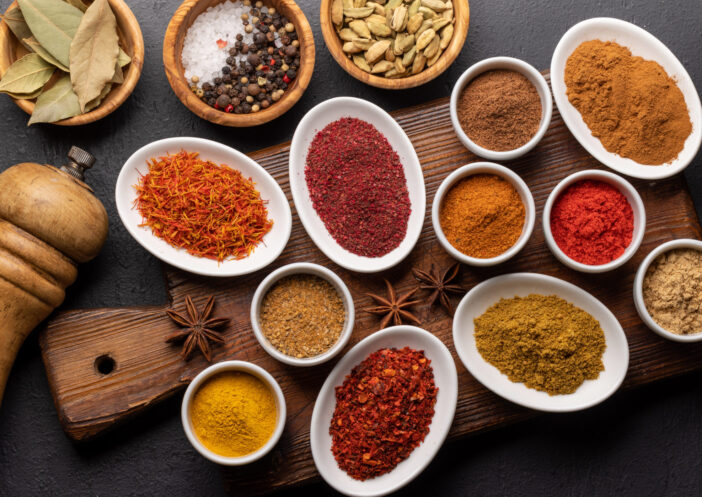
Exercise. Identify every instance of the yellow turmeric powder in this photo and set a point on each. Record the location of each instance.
(233, 414)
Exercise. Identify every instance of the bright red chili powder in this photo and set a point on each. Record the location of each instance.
(592, 222)
(383, 411)
(358, 187)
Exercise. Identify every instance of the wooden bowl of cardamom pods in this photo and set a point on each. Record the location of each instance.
(394, 44)
(17, 40)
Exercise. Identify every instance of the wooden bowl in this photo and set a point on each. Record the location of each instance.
(461, 12)
(173, 46)
(131, 41)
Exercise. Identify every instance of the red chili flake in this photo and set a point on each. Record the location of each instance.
(372, 432)
(265, 68)
(229, 108)
(286, 79)
(221, 43)
(358, 188)
(272, 62)
(592, 222)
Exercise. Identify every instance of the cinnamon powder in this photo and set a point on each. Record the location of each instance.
(500, 110)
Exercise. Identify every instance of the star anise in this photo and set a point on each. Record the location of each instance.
(393, 307)
(197, 328)
(441, 285)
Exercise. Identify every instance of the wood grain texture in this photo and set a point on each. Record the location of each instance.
(334, 45)
(147, 369)
(173, 46)
(131, 41)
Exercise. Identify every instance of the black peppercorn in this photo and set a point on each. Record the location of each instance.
(245, 108)
(238, 109)
(231, 61)
(291, 74)
(223, 100)
(244, 48)
(218, 81)
(226, 70)
(253, 89)
(239, 37)
(211, 101)
(291, 51)
(227, 78)
(207, 87)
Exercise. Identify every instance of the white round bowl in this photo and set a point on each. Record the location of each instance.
(244, 367)
(302, 268)
(511, 64)
(632, 197)
(487, 293)
(278, 207)
(515, 181)
(314, 121)
(638, 288)
(445, 378)
(643, 44)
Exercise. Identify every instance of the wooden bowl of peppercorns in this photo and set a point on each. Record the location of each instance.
(262, 78)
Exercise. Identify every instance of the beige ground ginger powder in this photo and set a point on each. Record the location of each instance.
(672, 291)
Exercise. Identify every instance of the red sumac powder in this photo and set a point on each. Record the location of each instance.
(592, 222)
(358, 187)
(383, 411)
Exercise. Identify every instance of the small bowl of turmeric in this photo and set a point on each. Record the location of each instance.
(227, 401)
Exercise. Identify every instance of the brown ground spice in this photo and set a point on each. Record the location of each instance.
(500, 110)
(631, 104)
(482, 215)
(542, 341)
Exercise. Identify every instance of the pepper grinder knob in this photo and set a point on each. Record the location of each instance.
(80, 161)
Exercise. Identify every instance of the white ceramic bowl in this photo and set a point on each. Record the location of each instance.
(514, 180)
(638, 288)
(487, 293)
(302, 268)
(278, 207)
(511, 64)
(314, 121)
(244, 367)
(634, 200)
(446, 380)
(643, 44)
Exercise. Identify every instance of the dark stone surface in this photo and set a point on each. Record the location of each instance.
(647, 442)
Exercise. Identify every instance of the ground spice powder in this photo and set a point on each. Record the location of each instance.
(482, 215)
(672, 291)
(500, 110)
(542, 341)
(233, 414)
(302, 315)
(631, 104)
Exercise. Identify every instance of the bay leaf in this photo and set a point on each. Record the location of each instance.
(118, 76)
(95, 103)
(41, 52)
(56, 103)
(15, 21)
(94, 52)
(25, 96)
(26, 75)
(123, 59)
(78, 4)
(53, 23)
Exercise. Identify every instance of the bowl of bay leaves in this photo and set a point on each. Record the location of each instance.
(69, 62)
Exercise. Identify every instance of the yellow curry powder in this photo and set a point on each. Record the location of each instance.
(542, 341)
(233, 414)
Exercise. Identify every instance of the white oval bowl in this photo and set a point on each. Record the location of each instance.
(315, 270)
(638, 288)
(512, 64)
(445, 378)
(314, 121)
(489, 292)
(244, 367)
(278, 207)
(485, 168)
(643, 44)
(632, 197)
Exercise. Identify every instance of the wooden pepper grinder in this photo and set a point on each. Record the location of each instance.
(50, 221)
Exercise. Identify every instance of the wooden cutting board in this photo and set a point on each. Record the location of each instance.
(78, 345)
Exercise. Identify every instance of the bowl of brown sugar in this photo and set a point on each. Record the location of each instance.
(302, 314)
(501, 108)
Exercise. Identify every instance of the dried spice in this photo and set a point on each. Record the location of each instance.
(198, 328)
(500, 110)
(302, 315)
(210, 210)
(482, 216)
(27, 75)
(672, 291)
(630, 104)
(393, 308)
(233, 414)
(358, 187)
(441, 284)
(383, 412)
(542, 341)
(592, 222)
